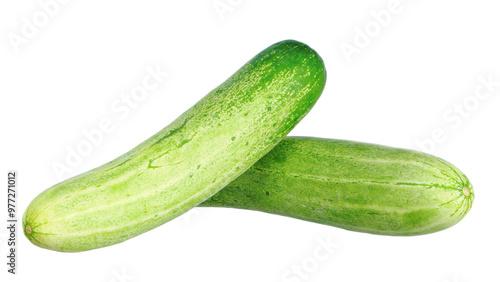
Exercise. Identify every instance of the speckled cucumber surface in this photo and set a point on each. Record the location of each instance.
(351, 185)
(185, 163)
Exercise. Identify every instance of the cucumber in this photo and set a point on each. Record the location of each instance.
(185, 163)
(356, 186)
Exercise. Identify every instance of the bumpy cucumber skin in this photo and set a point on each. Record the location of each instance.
(356, 186)
(185, 163)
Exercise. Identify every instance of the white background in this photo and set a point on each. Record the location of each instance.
(418, 68)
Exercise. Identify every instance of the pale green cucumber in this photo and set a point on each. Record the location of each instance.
(351, 185)
(185, 163)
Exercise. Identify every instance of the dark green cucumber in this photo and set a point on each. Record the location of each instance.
(351, 185)
(185, 163)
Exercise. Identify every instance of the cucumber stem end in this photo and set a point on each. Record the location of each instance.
(466, 191)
